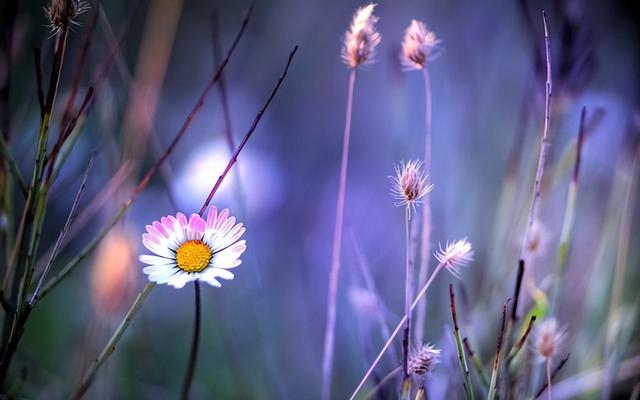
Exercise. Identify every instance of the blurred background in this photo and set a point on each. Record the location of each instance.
(262, 333)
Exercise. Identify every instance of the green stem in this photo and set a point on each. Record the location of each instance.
(111, 344)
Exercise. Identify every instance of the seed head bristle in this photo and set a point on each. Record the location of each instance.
(410, 184)
(455, 255)
(419, 46)
(362, 38)
(61, 13)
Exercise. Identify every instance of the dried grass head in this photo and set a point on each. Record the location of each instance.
(419, 46)
(361, 39)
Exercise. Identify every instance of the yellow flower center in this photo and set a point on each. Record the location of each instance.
(193, 256)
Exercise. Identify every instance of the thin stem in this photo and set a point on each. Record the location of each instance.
(462, 359)
(516, 349)
(496, 361)
(544, 146)
(191, 365)
(408, 293)
(12, 166)
(477, 363)
(419, 296)
(425, 245)
(549, 377)
(252, 128)
(111, 344)
(329, 334)
(62, 234)
(552, 376)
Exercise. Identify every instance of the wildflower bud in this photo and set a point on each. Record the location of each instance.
(419, 46)
(362, 38)
(410, 184)
(455, 256)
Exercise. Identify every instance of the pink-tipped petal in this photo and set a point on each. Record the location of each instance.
(212, 215)
(196, 225)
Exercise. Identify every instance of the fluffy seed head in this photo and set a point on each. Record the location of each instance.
(422, 361)
(410, 183)
(548, 339)
(361, 39)
(419, 46)
(455, 255)
(62, 12)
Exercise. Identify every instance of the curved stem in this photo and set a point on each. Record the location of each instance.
(111, 344)
(193, 355)
(329, 334)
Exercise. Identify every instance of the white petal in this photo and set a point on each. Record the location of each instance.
(155, 260)
(211, 280)
(220, 273)
(157, 248)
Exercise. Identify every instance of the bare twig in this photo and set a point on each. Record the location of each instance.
(62, 235)
(253, 127)
(334, 273)
(544, 147)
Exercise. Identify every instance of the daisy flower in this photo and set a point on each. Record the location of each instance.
(192, 249)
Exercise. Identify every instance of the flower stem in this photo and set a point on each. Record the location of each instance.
(193, 355)
(408, 293)
(329, 335)
(425, 244)
(111, 344)
(419, 296)
(549, 377)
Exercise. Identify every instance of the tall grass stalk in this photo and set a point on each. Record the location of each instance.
(408, 294)
(425, 243)
(330, 327)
